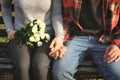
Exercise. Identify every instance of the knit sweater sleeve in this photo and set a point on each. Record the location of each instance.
(6, 9)
(57, 20)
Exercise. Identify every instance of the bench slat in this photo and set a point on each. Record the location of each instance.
(5, 61)
(3, 33)
(3, 66)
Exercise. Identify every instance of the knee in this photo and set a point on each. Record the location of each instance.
(111, 71)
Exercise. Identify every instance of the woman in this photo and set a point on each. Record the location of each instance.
(35, 60)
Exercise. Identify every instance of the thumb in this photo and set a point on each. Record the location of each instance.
(52, 45)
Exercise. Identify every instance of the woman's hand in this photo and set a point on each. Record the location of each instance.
(11, 34)
(112, 54)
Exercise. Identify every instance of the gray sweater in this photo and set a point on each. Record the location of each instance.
(28, 10)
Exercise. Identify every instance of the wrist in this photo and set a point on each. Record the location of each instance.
(114, 44)
(60, 35)
(9, 30)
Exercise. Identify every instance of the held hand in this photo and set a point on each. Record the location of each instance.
(112, 54)
(59, 53)
(11, 34)
(62, 51)
(56, 43)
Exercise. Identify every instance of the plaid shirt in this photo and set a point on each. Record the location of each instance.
(111, 18)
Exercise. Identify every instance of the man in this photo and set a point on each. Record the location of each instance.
(92, 25)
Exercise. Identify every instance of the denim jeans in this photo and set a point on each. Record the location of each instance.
(65, 67)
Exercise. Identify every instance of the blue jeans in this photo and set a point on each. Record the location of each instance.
(65, 68)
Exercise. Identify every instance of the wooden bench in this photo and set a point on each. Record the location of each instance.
(6, 66)
(86, 71)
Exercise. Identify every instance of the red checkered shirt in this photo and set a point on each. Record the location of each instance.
(111, 19)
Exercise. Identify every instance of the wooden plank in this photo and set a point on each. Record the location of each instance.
(5, 61)
(87, 69)
(1, 20)
(87, 63)
(3, 33)
(5, 66)
(6, 76)
(3, 45)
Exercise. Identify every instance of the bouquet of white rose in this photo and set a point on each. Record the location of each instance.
(33, 33)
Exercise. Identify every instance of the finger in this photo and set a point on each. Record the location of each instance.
(107, 53)
(64, 48)
(56, 47)
(56, 55)
(111, 55)
(10, 37)
(111, 59)
(107, 57)
(112, 52)
(62, 51)
(52, 44)
(118, 59)
(51, 53)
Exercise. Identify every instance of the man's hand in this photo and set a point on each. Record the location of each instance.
(11, 35)
(59, 53)
(112, 54)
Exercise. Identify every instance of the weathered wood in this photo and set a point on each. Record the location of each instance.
(6, 65)
(3, 33)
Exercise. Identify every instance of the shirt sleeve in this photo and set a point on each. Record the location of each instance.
(116, 37)
(57, 19)
(6, 9)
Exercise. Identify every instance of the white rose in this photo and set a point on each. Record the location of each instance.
(37, 37)
(42, 36)
(47, 36)
(38, 21)
(46, 41)
(32, 39)
(42, 31)
(31, 24)
(41, 25)
(39, 43)
(34, 29)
